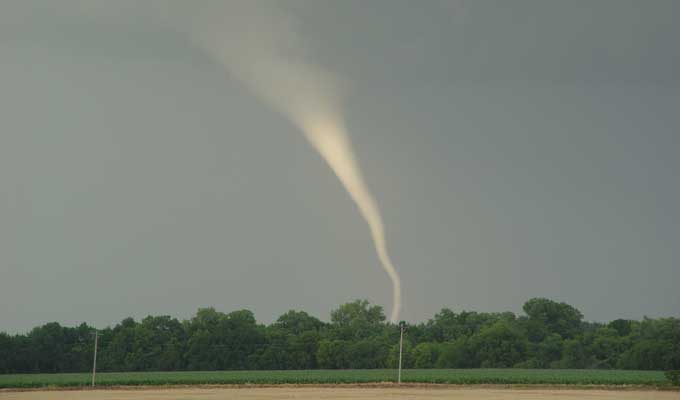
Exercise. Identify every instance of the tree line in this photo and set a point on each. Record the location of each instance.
(549, 335)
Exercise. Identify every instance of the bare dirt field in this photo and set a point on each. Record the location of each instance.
(341, 393)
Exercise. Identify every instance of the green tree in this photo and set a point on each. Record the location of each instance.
(546, 353)
(333, 354)
(158, 344)
(367, 353)
(6, 353)
(447, 326)
(297, 322)
(574, 355)
(551, 335)
(425, 355)
(500, 345)
(223, 341)
(49, 348)
(606, 347)
(457, 354)
(117, 344)
(560, 318)
(274, 355)
(79, 348)
(303, 349)
(357, 320)
(650, 355)
(623, 327)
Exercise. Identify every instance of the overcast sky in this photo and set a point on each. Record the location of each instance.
(517, 149)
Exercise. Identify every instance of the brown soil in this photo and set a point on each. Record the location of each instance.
(341, 393)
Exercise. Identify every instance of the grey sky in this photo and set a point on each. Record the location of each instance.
(517, 149)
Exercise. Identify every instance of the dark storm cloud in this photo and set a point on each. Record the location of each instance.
(520, 149)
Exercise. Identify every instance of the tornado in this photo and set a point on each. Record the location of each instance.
(260, 48)
(329, 138)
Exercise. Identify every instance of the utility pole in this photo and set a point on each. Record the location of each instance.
(402, 325)
(94, 361)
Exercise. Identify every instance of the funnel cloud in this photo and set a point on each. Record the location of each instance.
(261, 49)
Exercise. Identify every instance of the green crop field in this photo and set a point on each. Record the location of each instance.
(451, 376)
